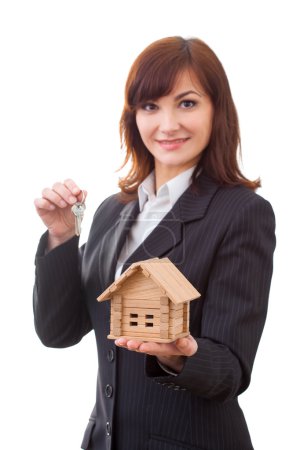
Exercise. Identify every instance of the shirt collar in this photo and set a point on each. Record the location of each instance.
(171, 190)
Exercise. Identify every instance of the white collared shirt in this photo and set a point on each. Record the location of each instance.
(153, 207)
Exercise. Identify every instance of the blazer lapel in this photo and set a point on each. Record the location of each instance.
(165, 236)
(114, 240)
(194, 204)
(190, 206)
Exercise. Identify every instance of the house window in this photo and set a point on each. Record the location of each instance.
(133, 323)
(149, 320)
(144, 320)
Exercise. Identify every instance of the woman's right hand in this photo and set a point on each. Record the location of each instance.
(54, 208)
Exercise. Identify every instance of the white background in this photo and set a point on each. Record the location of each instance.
(63, 69)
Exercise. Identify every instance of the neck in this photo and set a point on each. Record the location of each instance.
(165, 173)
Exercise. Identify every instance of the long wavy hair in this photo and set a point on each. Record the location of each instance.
(154, 74)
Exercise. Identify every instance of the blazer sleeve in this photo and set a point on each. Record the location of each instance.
(60, 314)
(234, 309)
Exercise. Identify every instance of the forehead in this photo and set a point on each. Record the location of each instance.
(159, 81)
(186, 81)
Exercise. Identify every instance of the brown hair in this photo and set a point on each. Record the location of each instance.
(153, 75)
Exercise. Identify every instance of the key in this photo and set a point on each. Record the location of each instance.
(78, 210)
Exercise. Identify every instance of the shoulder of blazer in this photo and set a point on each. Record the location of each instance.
(211, 196)
(239, 197)
(239, 205)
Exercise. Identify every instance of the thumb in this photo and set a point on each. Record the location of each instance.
(187, 345)
(83, 195)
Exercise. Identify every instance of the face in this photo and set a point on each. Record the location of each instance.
(176, 128)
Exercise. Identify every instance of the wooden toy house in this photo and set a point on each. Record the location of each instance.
(150, 301)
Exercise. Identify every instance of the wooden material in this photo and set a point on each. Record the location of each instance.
(150, 301)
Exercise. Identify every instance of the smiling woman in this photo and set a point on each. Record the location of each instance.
(186, 199)
(177, 69)
(176, 128)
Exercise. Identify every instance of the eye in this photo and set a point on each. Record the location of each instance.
(149, 106)
(187, 104)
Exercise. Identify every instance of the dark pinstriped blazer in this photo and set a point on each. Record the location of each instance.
(222, 239)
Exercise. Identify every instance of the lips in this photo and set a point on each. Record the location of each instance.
(172, 144)
(172, 141)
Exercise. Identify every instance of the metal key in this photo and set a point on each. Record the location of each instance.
(78, 210)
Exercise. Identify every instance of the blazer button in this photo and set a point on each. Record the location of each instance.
(108, 390)
(108, 429)
(110, 355)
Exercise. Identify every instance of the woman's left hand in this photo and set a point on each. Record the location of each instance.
(170, 354)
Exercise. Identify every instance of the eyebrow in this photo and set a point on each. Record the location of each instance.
(183, 94)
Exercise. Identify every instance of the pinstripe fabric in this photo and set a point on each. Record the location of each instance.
(222, 239)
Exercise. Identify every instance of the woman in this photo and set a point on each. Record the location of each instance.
(184, 198)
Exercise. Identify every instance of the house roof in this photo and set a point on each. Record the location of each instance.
(164, 273)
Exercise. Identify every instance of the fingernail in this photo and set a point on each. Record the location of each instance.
(62, 203)
(72, 199)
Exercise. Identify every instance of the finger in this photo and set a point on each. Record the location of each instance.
(72, 186)
(75, 190)
(43, 204)
(53, 197)
(159, 349)
(133, 345)
(152, 348)
(82, 196)
(121, 342)
(62, 190)
(130, 344)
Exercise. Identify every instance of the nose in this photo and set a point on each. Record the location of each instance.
(169, 122)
